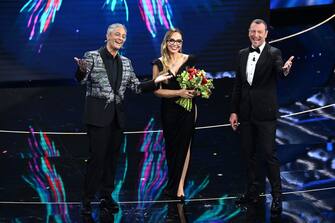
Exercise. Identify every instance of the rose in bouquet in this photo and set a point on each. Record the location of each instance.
(194, 79)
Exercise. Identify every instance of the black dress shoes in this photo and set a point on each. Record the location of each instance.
(276, 206)
(108, 205)
(247, 199)
(86, 209)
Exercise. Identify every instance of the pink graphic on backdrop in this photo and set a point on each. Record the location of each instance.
(41, 14)
(155, 13)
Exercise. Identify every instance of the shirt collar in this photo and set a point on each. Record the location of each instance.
(261, 47)
(109, 55)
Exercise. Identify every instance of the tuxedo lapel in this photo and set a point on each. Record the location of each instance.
(261, 61)
(244, 61)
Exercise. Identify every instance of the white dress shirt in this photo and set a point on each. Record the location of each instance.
(251, 63)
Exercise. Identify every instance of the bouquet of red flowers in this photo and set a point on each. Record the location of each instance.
(194, 79)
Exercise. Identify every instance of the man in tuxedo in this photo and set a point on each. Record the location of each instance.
(107, 75)
(254, 107)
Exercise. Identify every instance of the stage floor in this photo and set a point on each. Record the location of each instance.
(47, 189)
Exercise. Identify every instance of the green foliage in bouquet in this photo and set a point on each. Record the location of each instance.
(194, 79)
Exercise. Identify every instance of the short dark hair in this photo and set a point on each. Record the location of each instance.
(260, 21)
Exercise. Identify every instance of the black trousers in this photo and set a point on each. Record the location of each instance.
(104, 148)
(258, 146)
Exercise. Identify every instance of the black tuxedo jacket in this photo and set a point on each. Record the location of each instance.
(258, 101)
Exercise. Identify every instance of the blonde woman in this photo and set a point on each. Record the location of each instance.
(178, 123)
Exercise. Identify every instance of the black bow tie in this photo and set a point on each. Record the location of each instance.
(257, 50)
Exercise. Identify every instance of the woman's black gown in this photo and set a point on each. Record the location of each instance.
(178, 129)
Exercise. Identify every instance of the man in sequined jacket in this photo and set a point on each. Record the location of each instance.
(107, 75)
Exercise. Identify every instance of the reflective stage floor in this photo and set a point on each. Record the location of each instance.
(47, 188)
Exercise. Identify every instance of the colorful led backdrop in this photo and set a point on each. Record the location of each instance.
(39, 38)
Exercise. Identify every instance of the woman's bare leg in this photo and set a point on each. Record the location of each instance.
(180, 191)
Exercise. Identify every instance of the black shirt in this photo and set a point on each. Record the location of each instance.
(111, 64)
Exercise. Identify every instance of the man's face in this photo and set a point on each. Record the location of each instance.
(257, 34)
(116, 38)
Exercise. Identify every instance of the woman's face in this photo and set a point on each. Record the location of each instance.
(174, 43)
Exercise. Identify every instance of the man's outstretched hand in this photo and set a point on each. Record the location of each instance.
(233, 121)
(287, 66)
(162, 77)
(82, 64)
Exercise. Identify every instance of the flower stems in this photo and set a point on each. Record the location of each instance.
(185, 103)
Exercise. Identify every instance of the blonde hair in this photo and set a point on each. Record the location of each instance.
(164, 50)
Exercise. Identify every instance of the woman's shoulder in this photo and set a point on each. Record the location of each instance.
(157, 61)
(191, 59)
(187, 55)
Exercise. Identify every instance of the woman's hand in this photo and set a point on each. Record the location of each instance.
(184, 93)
